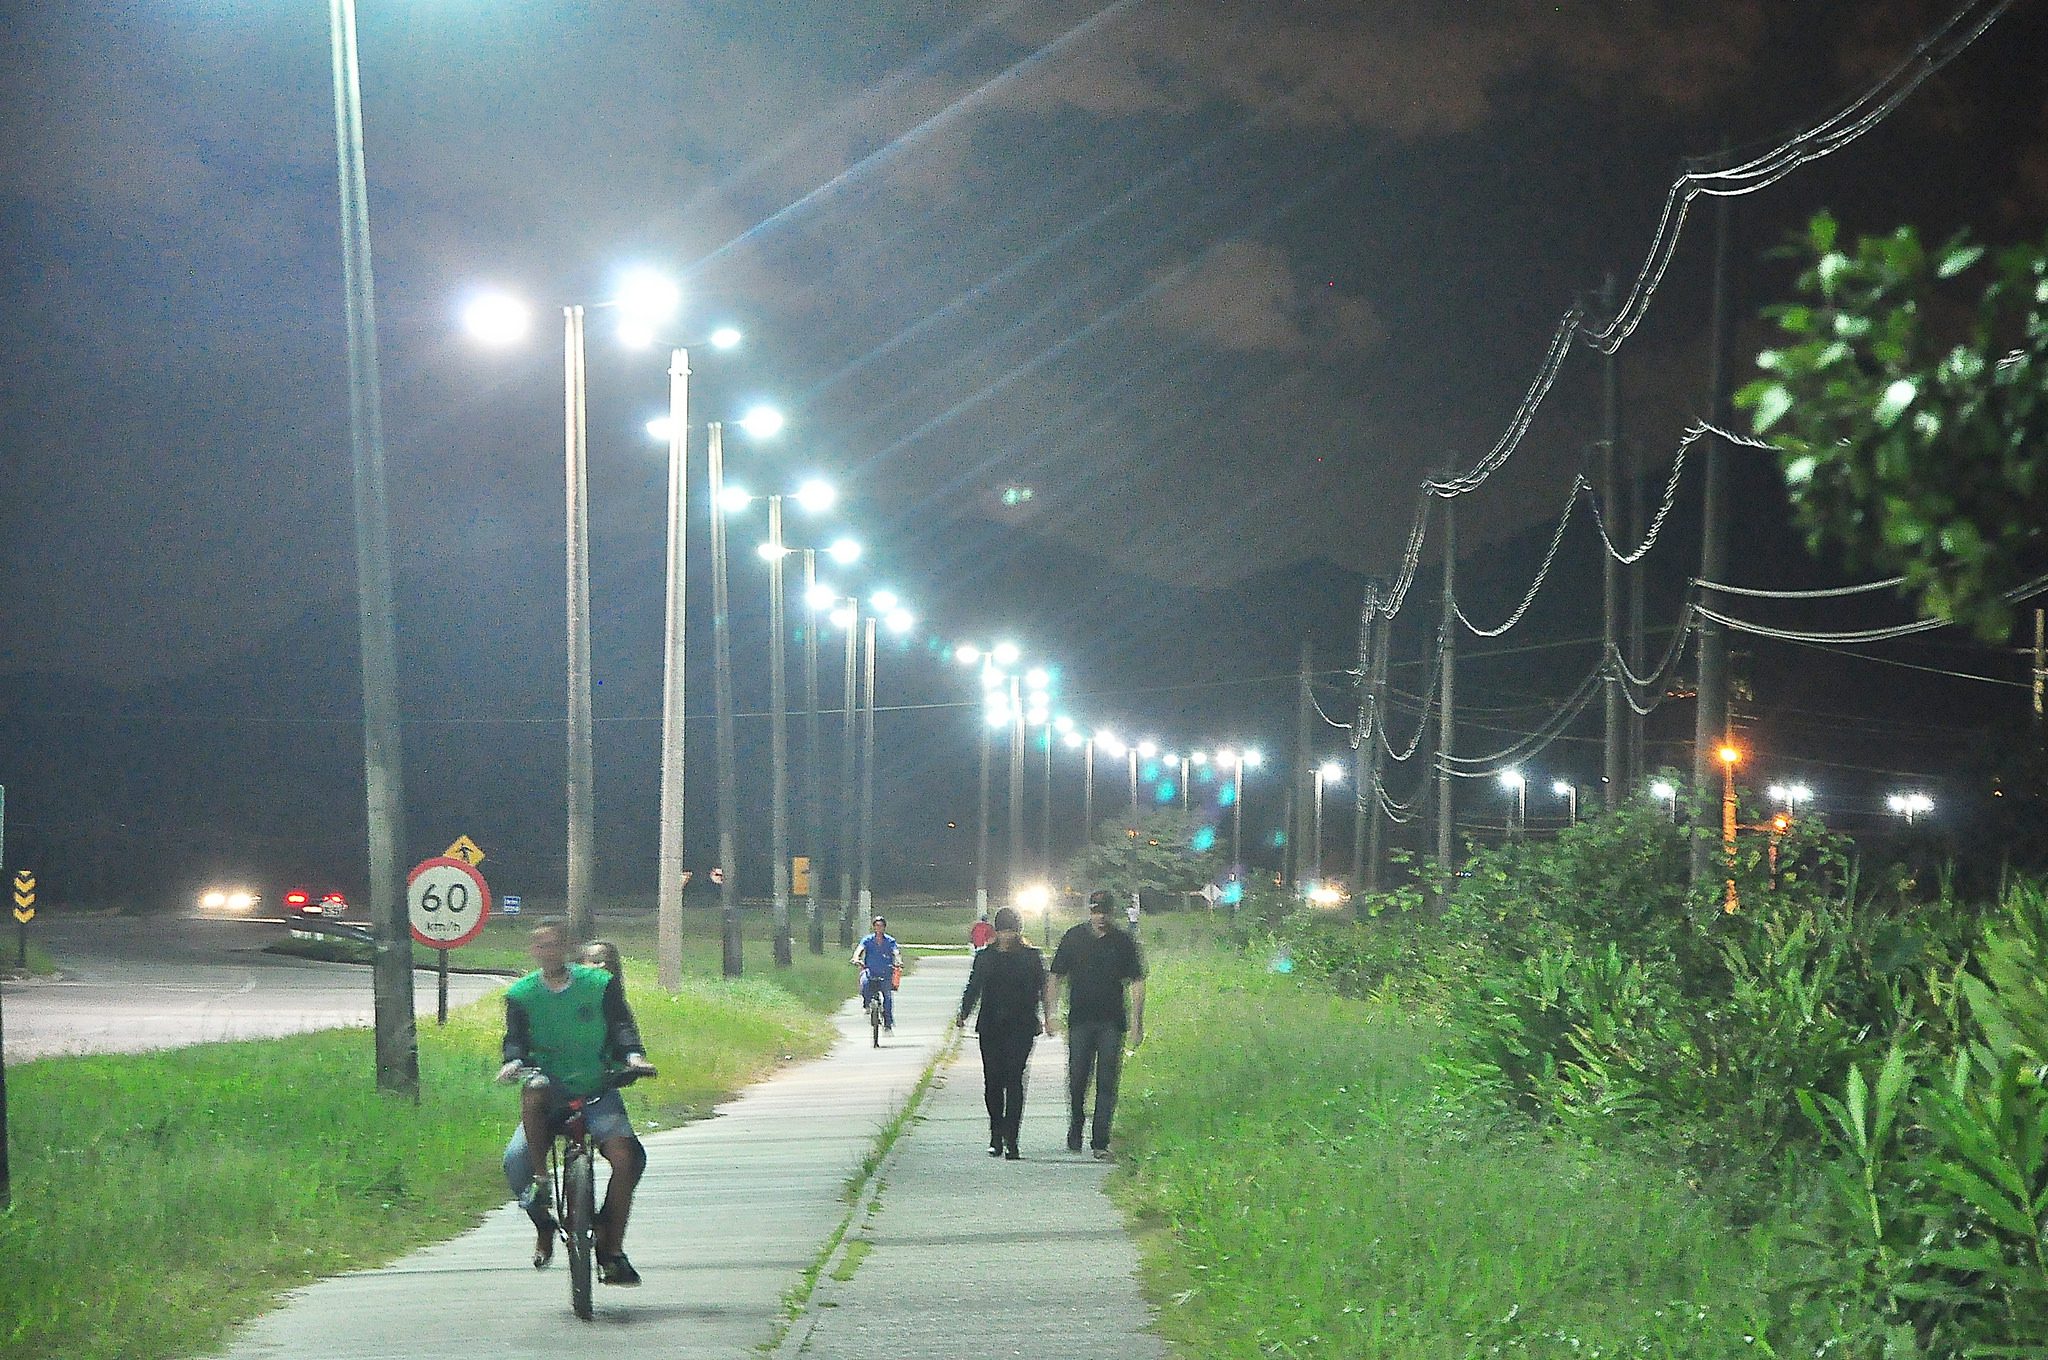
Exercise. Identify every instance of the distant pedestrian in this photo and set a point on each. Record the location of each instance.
(981, 932)
(1008, 980)
(1099, 962)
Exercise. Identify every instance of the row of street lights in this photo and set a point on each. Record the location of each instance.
(644, 303)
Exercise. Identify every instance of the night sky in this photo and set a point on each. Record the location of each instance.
(1219, 282)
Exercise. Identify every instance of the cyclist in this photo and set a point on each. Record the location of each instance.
(569, 1023)
(879, 956)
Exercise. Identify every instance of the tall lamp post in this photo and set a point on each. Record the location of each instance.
(1329, 772)
(1730, 757)
(994, 661)
(1515, 782)
(1565, 789)
(815, 496)
(397, 1045)
(1145, 750)
(644, 299)
(669, 877)
(899, 620)
(761, 422)
(819, 599)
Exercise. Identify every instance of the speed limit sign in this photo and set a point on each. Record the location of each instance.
(447, 901)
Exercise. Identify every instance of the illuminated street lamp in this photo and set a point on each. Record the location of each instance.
(1730, 756)
(1565, 789)
(1910, 804)
(761, 422)
(1665, 792)
(1144, 750)
(994, 661)
(1329, 772)
(1517, 784)
(1790, 796)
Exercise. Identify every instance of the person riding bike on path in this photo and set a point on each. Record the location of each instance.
(570, 1023)
(879, 956)
(1097, 960)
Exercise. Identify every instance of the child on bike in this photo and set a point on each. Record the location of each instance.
(567, 1024)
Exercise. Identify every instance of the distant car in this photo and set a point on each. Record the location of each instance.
(229, 902)
(310, 902)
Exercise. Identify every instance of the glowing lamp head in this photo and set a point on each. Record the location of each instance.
(1512, 780)
(1006, 653)
(1147, 749)
(1562, 788)
(725, 337)
(1664, 790)
(648, 295)
(734, 499)
(844, 551)
(1254, 759)
(899, 620)
(1728, 755)
(820, 596)
(762, 422)
(884, 601)
(816, 495)
(497, 319)
(967, 654)
(842, 617)
(1330, 772)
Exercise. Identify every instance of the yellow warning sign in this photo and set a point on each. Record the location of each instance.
(24, 896)
(800, 874)
(466, 850)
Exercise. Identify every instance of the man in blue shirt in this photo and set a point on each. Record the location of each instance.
(879, 957)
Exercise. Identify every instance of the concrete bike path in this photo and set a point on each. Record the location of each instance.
(957, 1254)
(729, 1214)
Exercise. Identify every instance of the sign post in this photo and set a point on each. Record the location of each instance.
(448, 903)
(6, 1188)
(24, 910)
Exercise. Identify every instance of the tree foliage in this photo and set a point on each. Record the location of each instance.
(1168, 851)
(1910, 404)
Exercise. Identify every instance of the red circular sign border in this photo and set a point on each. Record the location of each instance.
(483, 891)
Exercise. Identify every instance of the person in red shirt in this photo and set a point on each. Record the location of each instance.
(980, 933)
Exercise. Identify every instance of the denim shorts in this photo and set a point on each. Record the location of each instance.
(604, 1114)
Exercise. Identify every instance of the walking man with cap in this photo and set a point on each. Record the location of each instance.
(1099, 962)
(1008, 982)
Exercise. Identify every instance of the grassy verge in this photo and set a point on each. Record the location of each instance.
(1304, 1192)
(39, 963)
(160, 1198)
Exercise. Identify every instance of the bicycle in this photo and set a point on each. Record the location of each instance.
(575, 1186)
(877, 996)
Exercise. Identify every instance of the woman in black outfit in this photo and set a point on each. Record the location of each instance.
(1008, 980)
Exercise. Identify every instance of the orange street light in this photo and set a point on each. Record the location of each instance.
(1729, 755)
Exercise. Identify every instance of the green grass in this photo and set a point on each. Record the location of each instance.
(160, 1198)
(39, 962)
(1304, 1191)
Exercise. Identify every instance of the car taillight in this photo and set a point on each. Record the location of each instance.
(296, 899)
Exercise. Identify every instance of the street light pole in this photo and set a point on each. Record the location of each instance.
(397, 1045)
(668, 889)
(1016, 779)
(846, 769)
(582, 809)
(778, 738)
(1088, 793)
(867, 783)
(981, 823)
(1045, 812)
(728, 773)
(814, 810)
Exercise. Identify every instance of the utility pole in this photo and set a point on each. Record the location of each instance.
(2040, 661)
(1304, 767)
(1014, 871)
(778, 738)
(397, 1042)
(1375, 729)
(1638, 587)
(1710, 726)
(1614, 774)
(1446, 720)
(1361, 737)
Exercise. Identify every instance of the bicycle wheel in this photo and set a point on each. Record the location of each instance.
(875, 1018)
(579, 1200)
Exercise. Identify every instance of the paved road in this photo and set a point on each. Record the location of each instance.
(734, 1208)
(130, 984)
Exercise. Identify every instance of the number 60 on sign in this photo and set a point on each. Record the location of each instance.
(447, 902)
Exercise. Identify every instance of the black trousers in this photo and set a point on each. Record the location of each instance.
(1095, 1055)
(1004, 1055)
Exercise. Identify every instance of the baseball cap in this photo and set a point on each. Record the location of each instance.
(1008, 919)
(1102, 900)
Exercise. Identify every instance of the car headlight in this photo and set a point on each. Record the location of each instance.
(241, 901)
(214, 900)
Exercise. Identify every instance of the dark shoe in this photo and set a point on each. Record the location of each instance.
(1100, 1154)
(1011, 1154)
(544, 1239)
(617, 1270)
(995, 1149)
(1074, 1143)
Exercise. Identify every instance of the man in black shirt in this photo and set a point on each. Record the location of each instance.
(1098, 961)
(1008, 982)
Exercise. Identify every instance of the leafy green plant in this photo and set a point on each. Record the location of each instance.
(1911, 419)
